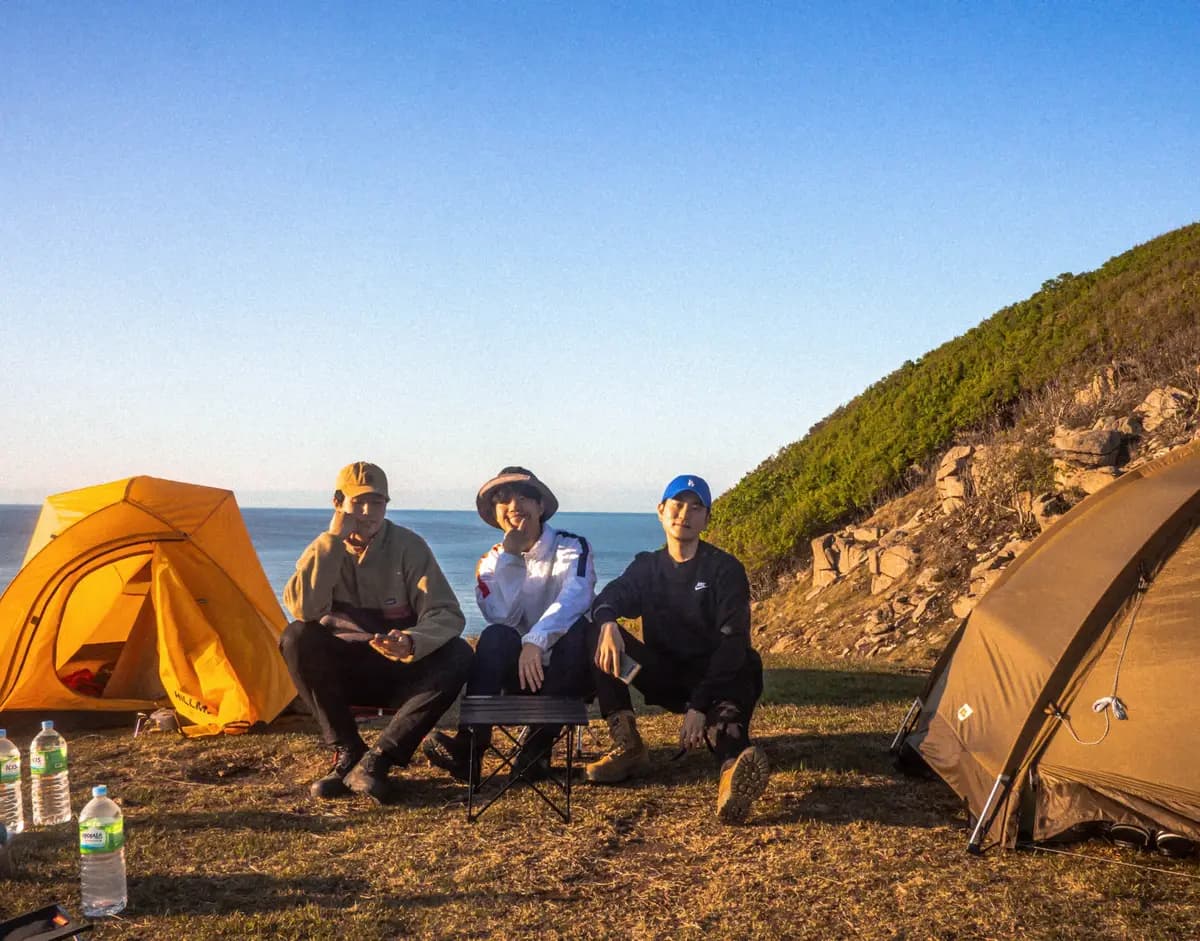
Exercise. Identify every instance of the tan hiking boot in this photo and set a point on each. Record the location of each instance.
(628, 758)
(742, 782)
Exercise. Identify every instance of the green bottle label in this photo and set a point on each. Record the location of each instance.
(10, 770)
(101, 835)
(51, 761)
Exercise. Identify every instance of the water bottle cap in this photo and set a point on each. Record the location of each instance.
(47, 724)
(3, 733)
(100, 790)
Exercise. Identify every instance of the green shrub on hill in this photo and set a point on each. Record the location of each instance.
(862, 451)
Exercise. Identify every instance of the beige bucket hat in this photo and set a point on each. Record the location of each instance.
(509, 476)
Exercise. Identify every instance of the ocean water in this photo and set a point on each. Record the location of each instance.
(458, 539)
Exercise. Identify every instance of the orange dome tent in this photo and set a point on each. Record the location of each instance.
(141, 592)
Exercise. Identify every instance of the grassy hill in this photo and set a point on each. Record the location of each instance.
(863, 451)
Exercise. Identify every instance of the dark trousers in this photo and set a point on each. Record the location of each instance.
(331, 675)
(494, 669)
(668, 682)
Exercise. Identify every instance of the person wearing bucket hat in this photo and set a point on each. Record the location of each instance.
(534, 587)
(695, 653)
(376, 623)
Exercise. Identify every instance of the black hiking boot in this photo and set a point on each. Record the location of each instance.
(530, 765)
(370, 776)
(333, 784)
(452, 753)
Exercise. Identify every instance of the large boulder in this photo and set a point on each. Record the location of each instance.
(1088, 479)
(853, 555)
(953, 478)
(825, 561)
(1161, 405)
(838, 554)
(1087, 447)
(1046, 508)
(1128, 428)
(888, 565)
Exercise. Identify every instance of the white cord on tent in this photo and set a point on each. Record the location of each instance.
(1066, 720)
(1112, 701)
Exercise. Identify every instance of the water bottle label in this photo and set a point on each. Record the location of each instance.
(48, 762)
(10, 771)
(101, 836)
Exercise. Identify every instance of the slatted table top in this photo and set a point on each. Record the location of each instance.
(521, 710)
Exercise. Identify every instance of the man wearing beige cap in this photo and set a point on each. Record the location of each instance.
(376, 625)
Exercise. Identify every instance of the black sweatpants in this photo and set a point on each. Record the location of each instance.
(331, 675)
(668, 682)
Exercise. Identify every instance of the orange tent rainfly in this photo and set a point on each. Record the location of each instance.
(141, 592)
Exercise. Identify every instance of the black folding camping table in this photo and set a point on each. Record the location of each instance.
(507, 714)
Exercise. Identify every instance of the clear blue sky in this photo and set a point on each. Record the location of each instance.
(244, 243)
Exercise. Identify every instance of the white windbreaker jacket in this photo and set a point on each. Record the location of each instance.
(540, 593)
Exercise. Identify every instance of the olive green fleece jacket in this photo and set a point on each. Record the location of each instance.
(396, 575)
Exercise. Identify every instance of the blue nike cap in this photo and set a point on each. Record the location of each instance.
(689, 482)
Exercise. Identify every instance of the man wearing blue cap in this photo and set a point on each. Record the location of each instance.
(695, 656)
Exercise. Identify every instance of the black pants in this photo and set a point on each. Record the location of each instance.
(668, 682)
(494, 669)
(331, 675)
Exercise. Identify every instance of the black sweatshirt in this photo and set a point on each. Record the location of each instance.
(694, 610)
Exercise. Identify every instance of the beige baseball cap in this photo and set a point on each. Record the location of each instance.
(361, 477)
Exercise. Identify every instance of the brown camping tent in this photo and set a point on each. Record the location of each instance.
(1068, 696)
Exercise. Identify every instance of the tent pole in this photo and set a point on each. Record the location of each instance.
(904, 726)
(981, 825)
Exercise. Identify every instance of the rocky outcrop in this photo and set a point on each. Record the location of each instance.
(953, 478)
(889, 564)
(1103, 385)
(1087, 480)
(1128, 428)
(1162, 405)
(825, 561)
(984, 573)
(1087, 447)
(887, 558)
(901, 586)
(1046, 508)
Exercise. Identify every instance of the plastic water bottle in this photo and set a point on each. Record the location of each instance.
(102, 855)
(48, 777)
(12, 807)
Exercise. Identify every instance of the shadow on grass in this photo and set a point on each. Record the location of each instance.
(267, 821)
(855, 752)
(245, 893)
(862, 752)
(82, 721)
(900, 803)
(799, 687)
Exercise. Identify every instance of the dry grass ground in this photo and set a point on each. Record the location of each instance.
(224, 843)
